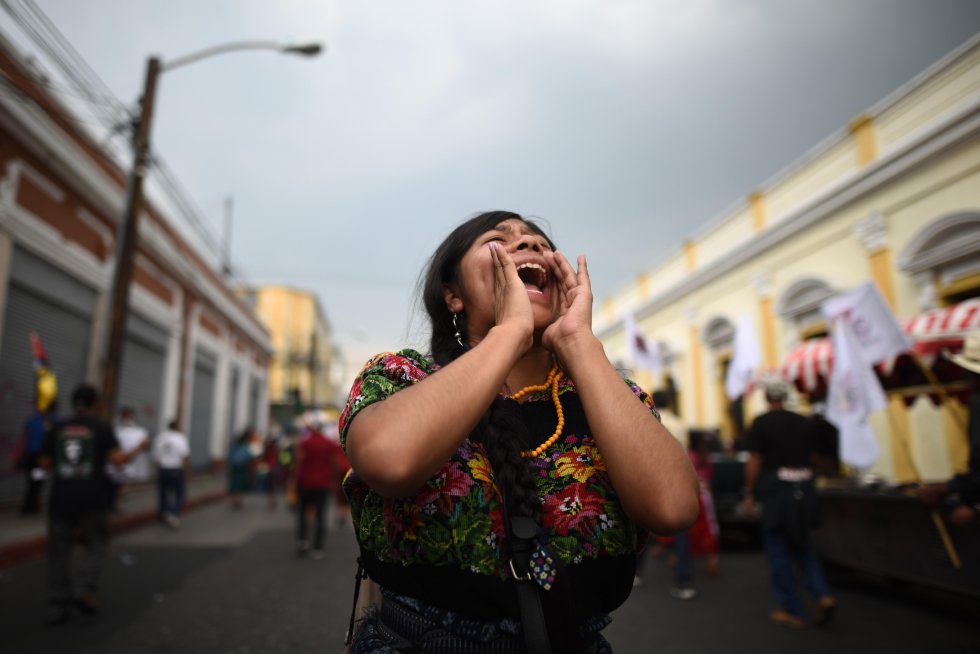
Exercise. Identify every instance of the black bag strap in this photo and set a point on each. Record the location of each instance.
(358, 576)
(522, 530)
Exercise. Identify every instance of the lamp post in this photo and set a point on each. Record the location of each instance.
(128, 228)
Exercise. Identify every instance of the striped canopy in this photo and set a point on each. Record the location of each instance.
(808, 366)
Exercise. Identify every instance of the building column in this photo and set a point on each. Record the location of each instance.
(863, 130)
(767, 320)
(190, 316)
(8, 200)
(220, 427)
(241, 403)
(643, 285)
(690, 256)
(6, 259)
(873, 234)
(262, 410)
(170, 403)
(757, 205)
(697, 388)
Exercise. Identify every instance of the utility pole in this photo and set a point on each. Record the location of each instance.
(226, 240)
(126, 238)
(128, 232)
(313, 365)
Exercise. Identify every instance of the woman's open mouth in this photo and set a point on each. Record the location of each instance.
(534, 276)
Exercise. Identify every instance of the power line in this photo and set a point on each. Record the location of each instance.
(87, 88)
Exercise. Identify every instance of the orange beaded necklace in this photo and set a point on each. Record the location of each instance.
(551, 381)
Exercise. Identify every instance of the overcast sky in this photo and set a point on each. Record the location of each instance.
(625, 125)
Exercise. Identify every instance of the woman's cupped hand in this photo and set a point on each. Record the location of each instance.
(512, 308)
(574, 311)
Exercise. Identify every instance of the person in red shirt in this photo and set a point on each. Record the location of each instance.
(315, 477)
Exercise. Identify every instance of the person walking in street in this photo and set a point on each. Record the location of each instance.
(240, 467)
(171, 453)
(35, 429)
(315, 478)
(76, 452)
(780, 474)
(705, 534)
(131, 436)
(500, 483)
(275, 479)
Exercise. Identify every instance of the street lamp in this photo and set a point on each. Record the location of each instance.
(126, 240)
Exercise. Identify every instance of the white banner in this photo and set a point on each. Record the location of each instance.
(853, 393)
(746, 359)
(642, 352)
(876, 330)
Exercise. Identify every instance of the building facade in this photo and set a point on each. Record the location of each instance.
(894, 197)
(305, 366)
(193, 351)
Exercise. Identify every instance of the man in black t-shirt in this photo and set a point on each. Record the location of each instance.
(780, 473)
(75, 452)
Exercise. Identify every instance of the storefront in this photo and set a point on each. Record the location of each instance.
(61, 200)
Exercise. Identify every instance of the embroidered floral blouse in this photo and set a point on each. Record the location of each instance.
(451, 531)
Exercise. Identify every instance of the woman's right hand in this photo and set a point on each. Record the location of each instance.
(512, 308)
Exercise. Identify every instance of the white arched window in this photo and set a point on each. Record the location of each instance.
(800, 304)
(942, 253)
(719, 333)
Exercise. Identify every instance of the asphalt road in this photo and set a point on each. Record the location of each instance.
(229, 582)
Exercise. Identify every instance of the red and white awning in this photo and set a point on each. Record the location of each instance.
(943, 329)
(809, 364)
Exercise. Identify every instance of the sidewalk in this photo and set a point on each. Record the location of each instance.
(23, 538)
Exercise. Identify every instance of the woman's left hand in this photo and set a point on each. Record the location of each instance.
(574, 303)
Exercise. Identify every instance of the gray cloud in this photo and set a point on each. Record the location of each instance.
(626, 125)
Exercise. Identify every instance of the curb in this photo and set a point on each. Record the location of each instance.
(36, 547)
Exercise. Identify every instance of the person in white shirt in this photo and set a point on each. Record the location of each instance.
(131, 436)
(171, 452)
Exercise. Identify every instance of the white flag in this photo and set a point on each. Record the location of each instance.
(745, 361)
(853, 392)
(643, 353)
(875, 328)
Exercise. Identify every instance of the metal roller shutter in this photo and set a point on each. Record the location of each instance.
(254, 392)
(143, 365)
(43, 299)
(202, 407)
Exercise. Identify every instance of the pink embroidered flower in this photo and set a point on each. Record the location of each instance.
(401, 368)
(574, 507)
(450, 480)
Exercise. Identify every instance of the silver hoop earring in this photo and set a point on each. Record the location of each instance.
(457, 335)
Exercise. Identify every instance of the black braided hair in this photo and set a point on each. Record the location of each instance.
(500, 430)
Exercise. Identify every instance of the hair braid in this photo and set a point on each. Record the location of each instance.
(501, 433)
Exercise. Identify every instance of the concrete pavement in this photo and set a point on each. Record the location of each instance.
(23, 538)
(230, 581)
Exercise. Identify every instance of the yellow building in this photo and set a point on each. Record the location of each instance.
(892, 197)
(305, 359)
